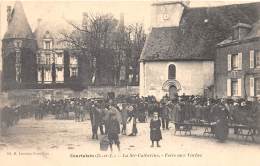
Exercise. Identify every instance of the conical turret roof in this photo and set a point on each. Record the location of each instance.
(18, 26)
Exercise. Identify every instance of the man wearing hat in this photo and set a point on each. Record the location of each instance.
(113, 131)
(165, 116)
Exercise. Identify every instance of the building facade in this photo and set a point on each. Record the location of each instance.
(163, 68)
(180, 55)
(35, 59)
(238, 63)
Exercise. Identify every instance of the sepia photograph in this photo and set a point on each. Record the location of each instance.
(130, 82)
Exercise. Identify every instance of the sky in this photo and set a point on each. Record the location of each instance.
(54, 11)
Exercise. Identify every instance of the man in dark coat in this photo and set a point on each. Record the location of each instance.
(132, 114)
(165, 116)
(155, 131)
(220, 114)
(113, 131)
(124, 115)
(95, 117)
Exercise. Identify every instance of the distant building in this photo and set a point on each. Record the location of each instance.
(35, 59)
(164, 69)
(179, 54)
(238, 63)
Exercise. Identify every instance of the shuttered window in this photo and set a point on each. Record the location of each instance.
(257, 82)
(252, 58)
(234, 88)
(240, 63)
(229, 62)
(228, 87)
(257, 59)
(252, 86)
(235, 61)
(239, 87)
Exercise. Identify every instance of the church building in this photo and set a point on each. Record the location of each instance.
(164, 66)
(179, 54)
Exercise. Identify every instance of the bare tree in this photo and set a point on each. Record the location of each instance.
(106, 47)
(137, 39)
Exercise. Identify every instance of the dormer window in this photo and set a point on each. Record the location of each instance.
(47, 41)
(18, 43)
(47, 45)
(240, 31)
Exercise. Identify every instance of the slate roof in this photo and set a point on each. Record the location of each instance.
(18, 26)
(255, 32)
(200, 30)
(54, 29)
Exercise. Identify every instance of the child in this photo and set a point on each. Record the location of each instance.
(155, 133)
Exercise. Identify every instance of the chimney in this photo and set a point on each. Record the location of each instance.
(9, 11)
(39, 20)
(241, 30)
(85, 20)
(122, 20)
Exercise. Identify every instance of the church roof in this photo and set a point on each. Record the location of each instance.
(18, 26)
(199, 32)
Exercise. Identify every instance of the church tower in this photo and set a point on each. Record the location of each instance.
(18, 51)
(167, 13)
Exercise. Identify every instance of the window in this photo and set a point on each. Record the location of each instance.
(48, 59)
(234, 88)
(39, 59)
(257, 59)
(73, 60)
(59, 69)
(257, 81)
(47, 76)
(47, 45)
(59, 74)
(18, 57)
(74, 72)
(40, 72)
(18, 73)
(18, 43)
(172, 72)
(234, 62)
(59, 58)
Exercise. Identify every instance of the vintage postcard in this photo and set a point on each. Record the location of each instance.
(129, 82)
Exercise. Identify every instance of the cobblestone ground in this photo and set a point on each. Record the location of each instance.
(66, 142)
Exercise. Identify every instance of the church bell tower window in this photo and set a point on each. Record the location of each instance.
(172, 72)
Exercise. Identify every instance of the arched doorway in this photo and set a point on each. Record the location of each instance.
(172, 87)
(173, 92)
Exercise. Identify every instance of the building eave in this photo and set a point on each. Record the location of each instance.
(236, 42)
(171, 60)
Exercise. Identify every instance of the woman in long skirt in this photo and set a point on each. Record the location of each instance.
(155, 129)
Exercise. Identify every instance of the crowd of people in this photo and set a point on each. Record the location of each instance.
(111, 116)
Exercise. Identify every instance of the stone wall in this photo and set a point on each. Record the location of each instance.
(194, 77)
(26, 96)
